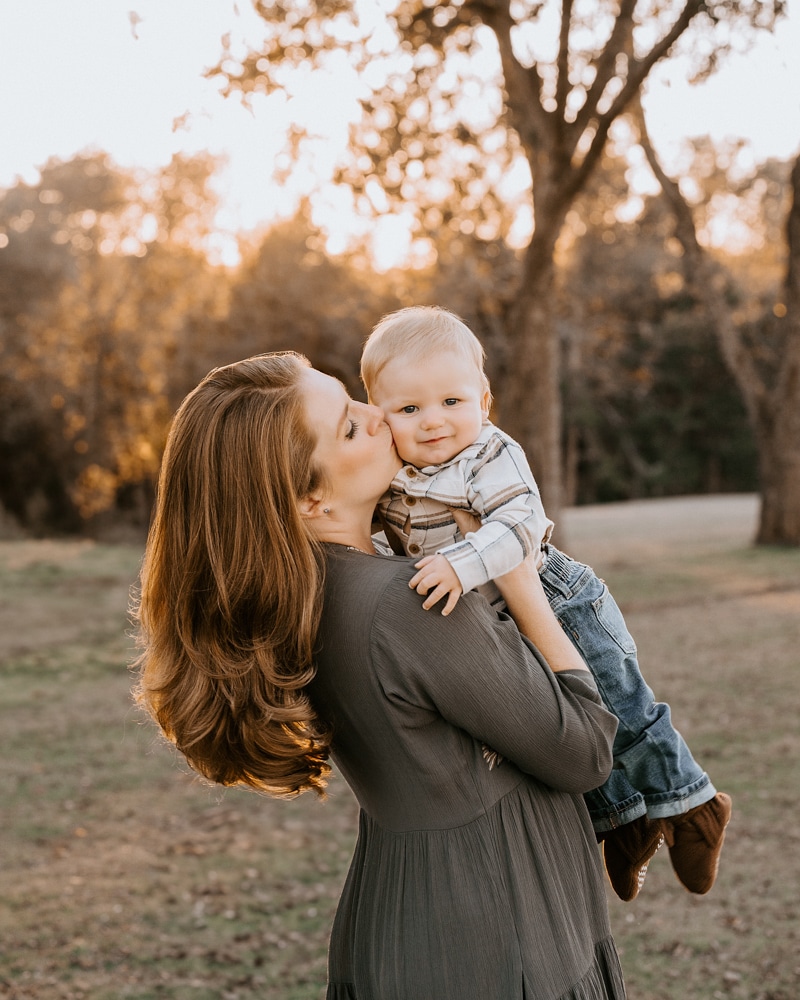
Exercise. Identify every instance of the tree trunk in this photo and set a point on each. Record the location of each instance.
(529, 395)
(779, 437)
(779, 468)
(774, 407)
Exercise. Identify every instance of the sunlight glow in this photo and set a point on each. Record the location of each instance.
(130, 82)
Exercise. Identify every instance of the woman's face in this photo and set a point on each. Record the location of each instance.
(354, 449)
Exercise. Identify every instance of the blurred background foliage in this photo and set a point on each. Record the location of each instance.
(110, 311)
(639, 344)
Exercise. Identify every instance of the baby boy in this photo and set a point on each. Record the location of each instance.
(425, 369)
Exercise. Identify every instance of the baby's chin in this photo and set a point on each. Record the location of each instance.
(430, 456)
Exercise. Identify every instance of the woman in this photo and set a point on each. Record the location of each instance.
(274, 635)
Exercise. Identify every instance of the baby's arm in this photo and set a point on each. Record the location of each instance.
(501, 491)
(528, 605)
(512, 530)
(437, 579)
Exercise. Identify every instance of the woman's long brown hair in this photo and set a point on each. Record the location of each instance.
(231, 583)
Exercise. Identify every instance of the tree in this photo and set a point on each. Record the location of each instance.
(456, 93)
(650, 409)
(46, 230)
(106, 277)
(762, 355)
(289, 295)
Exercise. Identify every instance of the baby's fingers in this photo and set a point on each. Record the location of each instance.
(434, 597)
(452, 600)
(424, 561)
(417, 582)
(419, 577)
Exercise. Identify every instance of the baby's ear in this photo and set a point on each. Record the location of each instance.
(486, 404)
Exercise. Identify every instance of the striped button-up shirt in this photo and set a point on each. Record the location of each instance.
(492, 479)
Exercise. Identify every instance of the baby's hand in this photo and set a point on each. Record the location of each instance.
(436, 575)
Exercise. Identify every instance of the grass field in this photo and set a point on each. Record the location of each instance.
(122, 876)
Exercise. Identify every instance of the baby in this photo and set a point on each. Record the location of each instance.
(425, 369)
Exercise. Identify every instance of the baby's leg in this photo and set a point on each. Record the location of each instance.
(648, 750)
(650, 756)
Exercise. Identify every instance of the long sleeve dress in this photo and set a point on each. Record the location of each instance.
(467, 882)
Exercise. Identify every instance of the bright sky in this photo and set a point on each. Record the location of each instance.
(85, 74)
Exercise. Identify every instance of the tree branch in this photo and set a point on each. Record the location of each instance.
(704, 279)
(606, 63)
(562, 62)
(638, 70)
(523, 85)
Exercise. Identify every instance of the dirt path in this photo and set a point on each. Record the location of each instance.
(618, 533)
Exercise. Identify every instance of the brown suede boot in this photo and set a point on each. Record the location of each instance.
(627, 852)
(695, 842)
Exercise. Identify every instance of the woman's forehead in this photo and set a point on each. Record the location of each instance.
(319, 382)
(326, 400)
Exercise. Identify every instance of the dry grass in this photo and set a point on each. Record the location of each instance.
(123, 876)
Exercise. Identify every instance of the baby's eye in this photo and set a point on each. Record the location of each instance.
(450, 402)
(411, 408)
(351, 432)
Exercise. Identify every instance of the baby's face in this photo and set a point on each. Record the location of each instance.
(434, 408)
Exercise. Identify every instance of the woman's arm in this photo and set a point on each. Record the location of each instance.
(476, 670)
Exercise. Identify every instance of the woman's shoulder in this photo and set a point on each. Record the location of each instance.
(364, 577)
(374, 590)
(372, 593)
(377, 587)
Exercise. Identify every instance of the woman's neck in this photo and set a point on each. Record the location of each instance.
(353, 535)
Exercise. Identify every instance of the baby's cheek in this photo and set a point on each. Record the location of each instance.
(402, 437)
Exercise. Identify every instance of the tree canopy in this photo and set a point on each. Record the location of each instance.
(488, 117)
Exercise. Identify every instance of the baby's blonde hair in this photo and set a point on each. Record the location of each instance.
(417, 333)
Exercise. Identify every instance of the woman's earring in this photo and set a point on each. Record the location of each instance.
(326, 510)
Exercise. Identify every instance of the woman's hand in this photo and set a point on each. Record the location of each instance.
(528, 605)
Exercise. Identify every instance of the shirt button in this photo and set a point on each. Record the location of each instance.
(414, 549)
(409, 501)
(410, 471)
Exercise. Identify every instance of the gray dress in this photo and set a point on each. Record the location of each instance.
(467, 882)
